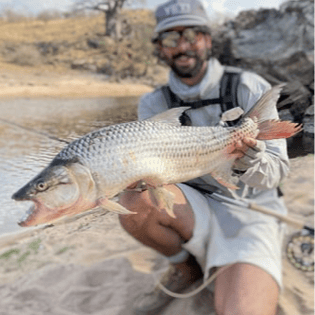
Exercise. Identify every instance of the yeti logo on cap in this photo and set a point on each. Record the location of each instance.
(180, 13)
(177, 8)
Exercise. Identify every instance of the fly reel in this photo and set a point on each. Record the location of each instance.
(300, 250)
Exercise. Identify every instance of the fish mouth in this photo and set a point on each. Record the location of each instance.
(39, 213)
(29, 217)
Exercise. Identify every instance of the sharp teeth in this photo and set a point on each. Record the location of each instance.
(26, 215)
(24, 218)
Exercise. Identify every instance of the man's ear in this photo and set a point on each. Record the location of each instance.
(208, 39)
(158, 52)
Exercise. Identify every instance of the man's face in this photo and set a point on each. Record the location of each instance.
(184, 51)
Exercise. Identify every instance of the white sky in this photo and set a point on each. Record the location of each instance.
(221, 6)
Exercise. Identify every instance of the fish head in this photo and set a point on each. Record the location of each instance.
(59, 190)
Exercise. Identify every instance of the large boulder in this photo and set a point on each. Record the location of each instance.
(278, 45)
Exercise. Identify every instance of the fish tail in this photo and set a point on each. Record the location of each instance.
(266, 104)
(276, 129)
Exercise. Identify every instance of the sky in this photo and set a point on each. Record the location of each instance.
(230, 7)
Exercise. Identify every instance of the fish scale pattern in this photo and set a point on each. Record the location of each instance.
(122, 154)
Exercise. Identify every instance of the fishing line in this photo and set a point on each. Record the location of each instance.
(194, 292)
(40, 133)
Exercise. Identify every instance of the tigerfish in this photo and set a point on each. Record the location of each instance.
(93, 169)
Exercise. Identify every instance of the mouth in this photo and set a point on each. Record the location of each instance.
(39, 213)
(29, 216)
(184, 60)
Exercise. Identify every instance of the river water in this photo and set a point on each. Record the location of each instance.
(27, 129)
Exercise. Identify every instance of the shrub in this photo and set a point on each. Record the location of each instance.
(25, 55)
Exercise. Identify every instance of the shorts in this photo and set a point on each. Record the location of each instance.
(224, 236)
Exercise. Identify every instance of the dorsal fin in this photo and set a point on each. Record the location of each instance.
(232, 114)
(170, 116)
(265, 104)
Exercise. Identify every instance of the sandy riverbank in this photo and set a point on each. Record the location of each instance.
(37, 84)
(89, 265)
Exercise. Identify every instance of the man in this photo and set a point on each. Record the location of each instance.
(207, 234)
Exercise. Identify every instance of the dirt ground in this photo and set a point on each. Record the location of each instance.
(29, 83)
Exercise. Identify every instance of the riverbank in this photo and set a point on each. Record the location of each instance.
(18, 82)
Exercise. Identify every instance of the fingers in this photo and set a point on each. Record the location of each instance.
(250, 142)
(244, 144)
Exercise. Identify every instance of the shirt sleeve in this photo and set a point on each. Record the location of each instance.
(151, 104)
(266, 165)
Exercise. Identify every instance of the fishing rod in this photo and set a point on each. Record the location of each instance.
(300, 247)
(40, 133)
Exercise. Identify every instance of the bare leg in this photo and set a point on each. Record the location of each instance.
(155, 228)
(244, 289)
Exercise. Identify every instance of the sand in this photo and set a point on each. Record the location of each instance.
(18, 82)
(90, 265)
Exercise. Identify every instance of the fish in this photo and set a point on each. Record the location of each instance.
(93, 169)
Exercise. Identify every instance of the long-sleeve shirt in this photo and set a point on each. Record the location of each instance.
(264, 166)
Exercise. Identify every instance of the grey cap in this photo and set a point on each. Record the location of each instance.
(180, 13)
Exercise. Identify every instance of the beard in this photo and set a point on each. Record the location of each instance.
(189, 71)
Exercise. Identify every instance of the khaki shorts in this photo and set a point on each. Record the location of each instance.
(225, 236)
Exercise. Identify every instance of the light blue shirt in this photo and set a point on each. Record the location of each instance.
(266, 166)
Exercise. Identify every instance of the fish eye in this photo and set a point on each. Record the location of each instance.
(41, 186)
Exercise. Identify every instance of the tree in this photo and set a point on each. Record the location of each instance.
(111, 10)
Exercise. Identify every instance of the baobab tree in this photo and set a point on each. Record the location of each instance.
(111, 10)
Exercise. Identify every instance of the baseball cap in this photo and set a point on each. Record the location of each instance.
(180, 13)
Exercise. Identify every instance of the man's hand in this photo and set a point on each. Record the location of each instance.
(248, 151)
(242, 146)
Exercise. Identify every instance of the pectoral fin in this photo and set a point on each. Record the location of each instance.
(113, 206)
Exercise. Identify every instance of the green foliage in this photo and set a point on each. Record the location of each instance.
(35, 245)
(23, 257)
(9, 253)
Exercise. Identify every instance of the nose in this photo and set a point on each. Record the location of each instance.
(182, 44)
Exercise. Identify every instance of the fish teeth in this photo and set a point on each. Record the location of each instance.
(26, 215)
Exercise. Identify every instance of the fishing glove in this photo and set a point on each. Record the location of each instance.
(251, 157)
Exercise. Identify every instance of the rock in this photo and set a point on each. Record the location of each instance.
(274, 34)
(286, 115)
(308, 134)
(106, 69)
(83, 64)
(139, 69)
(279, 46)
(296, 97)
(107, 41)
(93, 43)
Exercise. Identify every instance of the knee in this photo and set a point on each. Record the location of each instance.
(144, 212)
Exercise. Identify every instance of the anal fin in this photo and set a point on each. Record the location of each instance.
(223, 173)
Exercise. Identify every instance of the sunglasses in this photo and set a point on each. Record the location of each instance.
(171, 38)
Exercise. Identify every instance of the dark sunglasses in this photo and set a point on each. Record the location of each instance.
(171, 38)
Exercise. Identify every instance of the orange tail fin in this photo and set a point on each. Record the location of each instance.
(276, 129)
